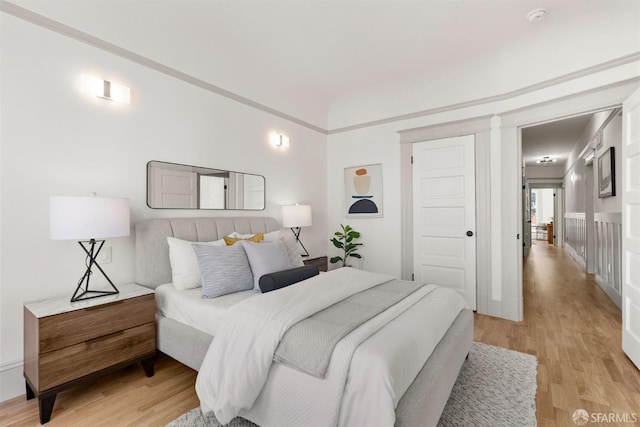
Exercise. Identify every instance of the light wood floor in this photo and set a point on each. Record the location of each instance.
(574, 330)
(570, 325)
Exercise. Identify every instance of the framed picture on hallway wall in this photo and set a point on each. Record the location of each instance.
(607, 174)
(363, 191)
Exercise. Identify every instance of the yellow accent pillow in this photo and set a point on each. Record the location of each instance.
(255, 238)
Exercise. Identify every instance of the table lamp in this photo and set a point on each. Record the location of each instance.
(89, 220)
(295, 217)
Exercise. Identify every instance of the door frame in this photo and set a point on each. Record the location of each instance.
(607, 97)
(480, 127)
(499, 175)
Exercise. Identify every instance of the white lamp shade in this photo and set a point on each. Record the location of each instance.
(84, 218)
(296, 216)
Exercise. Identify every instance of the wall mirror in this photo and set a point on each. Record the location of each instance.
(176, 186)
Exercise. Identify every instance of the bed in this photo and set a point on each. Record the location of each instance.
(420, 403)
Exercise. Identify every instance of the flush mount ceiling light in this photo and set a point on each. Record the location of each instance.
(546, 160)
(536, 15)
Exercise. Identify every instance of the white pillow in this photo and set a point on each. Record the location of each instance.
(265, 258)
(290, 244)
(185, 271)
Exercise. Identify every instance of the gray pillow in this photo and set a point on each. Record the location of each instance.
(265, 258)
(224, 270)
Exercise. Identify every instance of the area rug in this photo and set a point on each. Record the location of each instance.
(496, 388)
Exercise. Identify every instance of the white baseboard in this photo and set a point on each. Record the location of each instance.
(611, 293)
(574, 254)
(11, 380)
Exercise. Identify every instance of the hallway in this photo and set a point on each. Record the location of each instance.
(574, 330)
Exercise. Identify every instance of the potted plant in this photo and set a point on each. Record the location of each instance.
(345, 240)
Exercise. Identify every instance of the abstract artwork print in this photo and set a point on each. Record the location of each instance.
(363, 191)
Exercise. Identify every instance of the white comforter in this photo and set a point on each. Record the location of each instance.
(238, 377)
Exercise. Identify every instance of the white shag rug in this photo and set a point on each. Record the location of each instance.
(496, 388)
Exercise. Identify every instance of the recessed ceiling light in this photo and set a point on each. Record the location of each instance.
(536, 15)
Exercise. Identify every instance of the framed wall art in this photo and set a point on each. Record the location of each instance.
(607, 174)
(363, 191)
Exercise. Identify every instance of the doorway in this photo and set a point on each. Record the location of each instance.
(543, 207)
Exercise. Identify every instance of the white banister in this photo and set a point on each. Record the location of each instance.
(575, 236)
(608, 248)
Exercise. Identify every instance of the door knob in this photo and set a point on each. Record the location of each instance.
(469, 233)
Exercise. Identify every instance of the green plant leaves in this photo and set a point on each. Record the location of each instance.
(345, 240)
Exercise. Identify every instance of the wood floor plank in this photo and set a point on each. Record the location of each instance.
(569, 324)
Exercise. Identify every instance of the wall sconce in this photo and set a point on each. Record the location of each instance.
(105, 89)
(279, 140)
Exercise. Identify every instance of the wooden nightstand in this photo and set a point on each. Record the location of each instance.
(65, 343)
(320, 262)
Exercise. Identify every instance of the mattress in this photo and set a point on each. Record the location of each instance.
(188, 306)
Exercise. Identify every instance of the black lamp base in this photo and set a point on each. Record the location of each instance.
(82, 290)
(296, 232)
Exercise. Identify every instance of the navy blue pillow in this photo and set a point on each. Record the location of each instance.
(280, 279)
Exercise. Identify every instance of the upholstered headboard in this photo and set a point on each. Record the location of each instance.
(152, 250)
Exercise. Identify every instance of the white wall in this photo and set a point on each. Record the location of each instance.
(379, 144)
(56, 141)
(574, 179)
(611, 137)
(380, 236)
(542, 172)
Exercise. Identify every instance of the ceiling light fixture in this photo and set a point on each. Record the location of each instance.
(546, 160)
(536, 15)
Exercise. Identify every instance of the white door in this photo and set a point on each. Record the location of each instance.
(212, 192)
(444, 214)
(631, 227)
(175, 189)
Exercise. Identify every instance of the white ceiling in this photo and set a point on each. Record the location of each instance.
(303, 57)
(556, 140)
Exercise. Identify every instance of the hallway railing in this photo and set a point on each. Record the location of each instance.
(608, 251)
(575, 236)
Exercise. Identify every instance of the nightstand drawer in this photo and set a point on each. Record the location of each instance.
(77, 326)
(70, 363)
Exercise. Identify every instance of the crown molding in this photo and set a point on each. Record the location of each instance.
(65, 30)
(500, 97)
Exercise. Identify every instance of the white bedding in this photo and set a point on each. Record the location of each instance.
(371, 368)
(188, 306)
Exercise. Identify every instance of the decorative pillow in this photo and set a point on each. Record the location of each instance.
(185, 271)
(254, 238)
(267, 237)
(290, 243)
(272, 281)
(224, 270)
(265, 258)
